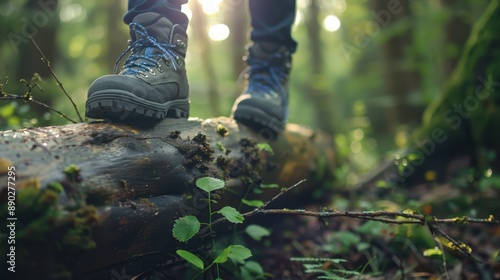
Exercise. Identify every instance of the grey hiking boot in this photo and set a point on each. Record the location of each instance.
(153, 80)
(264, 101)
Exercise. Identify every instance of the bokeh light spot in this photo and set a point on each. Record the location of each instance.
(218, 32)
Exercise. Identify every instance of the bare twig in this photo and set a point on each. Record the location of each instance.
(256, 210)
(47, 62)
(280, 194)
(455, 245)
(7, 96)
(401, 218)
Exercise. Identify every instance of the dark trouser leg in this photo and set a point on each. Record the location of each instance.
(171, 9)
(272, 21)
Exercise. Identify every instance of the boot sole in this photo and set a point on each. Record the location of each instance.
(258, 120)
(121, 105)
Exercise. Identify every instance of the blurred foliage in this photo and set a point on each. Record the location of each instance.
(90, 35)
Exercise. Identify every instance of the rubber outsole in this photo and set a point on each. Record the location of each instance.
(258, 119)
(121, 105)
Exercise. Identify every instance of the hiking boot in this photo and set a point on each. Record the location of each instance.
(153, 80)
(264, 101)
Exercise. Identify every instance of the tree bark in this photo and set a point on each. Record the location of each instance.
(199, 22)
(400, 82)
(98, 199)
(460, 129)
(316, 88)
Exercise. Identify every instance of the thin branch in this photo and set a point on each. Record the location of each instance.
(7, 96)
(256, 210)
(59, 83)
(459, 246)
(381, 216)
(280, 194)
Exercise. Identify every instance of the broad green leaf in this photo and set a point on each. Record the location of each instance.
(239, 252)
(251, 270)
(433, 252)
(185, 228)
(257, 232)
(253, 203)
(222, 257)
(209, 184)
(235, 252)
(265, 147)
(232, 215)
(191, 258)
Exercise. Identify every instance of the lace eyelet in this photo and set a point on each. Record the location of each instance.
(152, 72)
(160, 69)
(178, 60)
(167, 62)
(180, 44)
(142, 74)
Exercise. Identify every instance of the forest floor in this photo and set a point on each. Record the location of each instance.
(360, 249)
(346, 248)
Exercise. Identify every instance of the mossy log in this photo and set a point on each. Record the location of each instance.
(461, 128)
(98, 199)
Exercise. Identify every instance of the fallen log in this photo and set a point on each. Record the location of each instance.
(96, 199)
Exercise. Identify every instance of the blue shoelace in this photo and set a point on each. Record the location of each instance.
(265, 77)
(139, 63)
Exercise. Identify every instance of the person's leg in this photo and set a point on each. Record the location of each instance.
(263, 104)
(170, 9)
(272, 22)
(153, 82)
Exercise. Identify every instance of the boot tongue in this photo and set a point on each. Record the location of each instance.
(156, 26)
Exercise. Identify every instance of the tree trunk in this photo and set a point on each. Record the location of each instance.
(237, 19)
(400, 81)
(94, 200)
(457, 30)
(460, 128)
(199, 22)
(316, 88)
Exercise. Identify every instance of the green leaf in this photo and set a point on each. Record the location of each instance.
(490, 182)
(363, 246)
(257, 190)
(251, 270)
(257, 232)
(239, 252)
(222, 257)
(185, 228)
(413, 157)
(231, 214)
(382, 184)
(346, 238)
(235, 252)
(433, 252)
(191, 258)
(269, 186)
(265, 147)
(209, 184)
(56, 186)
(253, 203)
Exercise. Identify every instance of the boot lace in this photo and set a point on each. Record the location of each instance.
(139, 63)
(265, 77)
